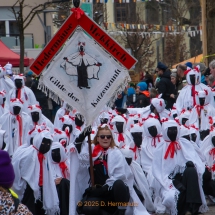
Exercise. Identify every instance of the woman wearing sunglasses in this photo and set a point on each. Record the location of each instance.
(113, 179)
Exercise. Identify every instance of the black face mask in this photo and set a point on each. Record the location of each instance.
(153, 131)
(76, 3)
(175, 115)
(193, 79)
(69, 126)
(119, 126)
(137, 137)
(186, 137)
(31, 141)
(45, 145)
(79, 120)
(172, 133)
(152, 108)
(201, 101)
(213, 140)
(104, 121)
(135, 121)
(204, 134)
(129, 160)
(56, 155)
(16, 110)
(35, 116)
(3, 146)
(184, 120)
(18, 83)
(193, 137)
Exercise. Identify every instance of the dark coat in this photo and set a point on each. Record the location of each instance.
(166, 87)
(141, 101)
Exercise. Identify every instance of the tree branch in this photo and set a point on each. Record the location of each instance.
(31, 15)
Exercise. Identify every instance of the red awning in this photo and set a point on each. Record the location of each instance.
(6, 55)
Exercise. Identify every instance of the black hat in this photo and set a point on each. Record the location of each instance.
(161, 66)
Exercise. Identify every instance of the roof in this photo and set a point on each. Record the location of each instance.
(7, 55)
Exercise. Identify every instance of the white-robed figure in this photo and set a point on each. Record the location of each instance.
(209, 175)
(121, 135)
(5, 82)
(195, 140)
(82, 65)
(137, 136)
(34, 182)
(187, 98)
(2, 101)
(66, 124)
(22, 92)
(2, 142)
(153, 137)
(61, 137)
(202, 114)
(78, 125)
(184, 117)
(61, 175)
(141, 185)
(178, 170)
(16, 124)
(66, 109)
(114, 180)
(37, 118)
(158, 108)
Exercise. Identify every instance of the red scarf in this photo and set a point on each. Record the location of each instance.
(121, 138)
(193, 94)
(19, 119)
(41, 157)
(97, 149)
(19, 93)
(199, 108)
(212, 152)
(78, 127)
(154, 140)
(171, 149)
(135, 151)
(63, 167)
(213, 168)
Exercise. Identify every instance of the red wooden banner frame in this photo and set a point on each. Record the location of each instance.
(94, 30)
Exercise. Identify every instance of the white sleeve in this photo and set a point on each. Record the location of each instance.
(116, 167)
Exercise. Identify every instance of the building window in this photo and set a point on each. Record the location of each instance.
(125, 12)
(13, 28)
(2, 28)
(120, 12)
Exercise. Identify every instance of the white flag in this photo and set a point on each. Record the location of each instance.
(85, 76)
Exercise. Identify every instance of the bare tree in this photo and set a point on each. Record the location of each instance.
(23, 22)
(176, 13)
(140, 43)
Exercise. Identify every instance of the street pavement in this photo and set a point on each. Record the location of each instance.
(211, 211)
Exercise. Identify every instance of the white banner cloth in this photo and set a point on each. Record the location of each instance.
(85, 76)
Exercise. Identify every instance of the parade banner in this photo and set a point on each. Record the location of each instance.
(84, 75)
(94, 30)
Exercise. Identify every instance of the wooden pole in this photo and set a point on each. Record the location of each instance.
(204, 31)
(91, 161)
